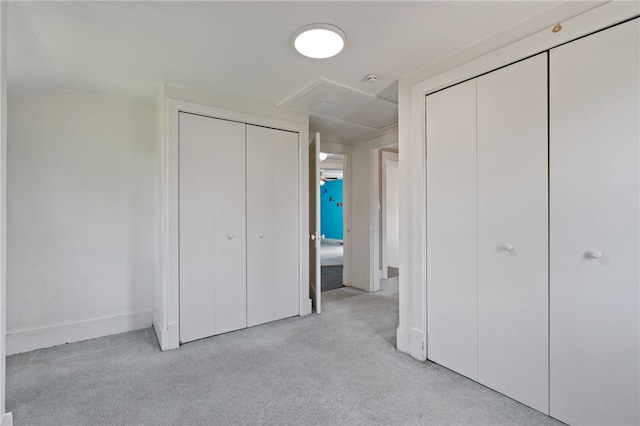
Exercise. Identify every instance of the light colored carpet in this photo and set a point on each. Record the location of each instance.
(340, 367)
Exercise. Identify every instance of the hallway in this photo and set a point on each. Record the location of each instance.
(340, 367)
(332, 264)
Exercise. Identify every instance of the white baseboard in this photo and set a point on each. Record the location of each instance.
(44, 337)
(402, 340)
(7, 419)
(162, 334)
(417, 344)
(174, 335)
(168, 338)
(306, 308)
(363, 282)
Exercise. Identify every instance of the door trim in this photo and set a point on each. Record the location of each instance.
(167, 286)
(345, 151)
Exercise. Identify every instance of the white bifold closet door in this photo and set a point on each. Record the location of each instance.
(452, 297)
(212, 226)
(272, 225)
(595, 235)
(513, 293)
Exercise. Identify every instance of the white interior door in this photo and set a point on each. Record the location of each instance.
(314, 223)
(595, 235)
(452, 229)
(212, 226)
(513, 337)
(272, 225)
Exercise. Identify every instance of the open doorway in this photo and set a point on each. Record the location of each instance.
(385, 205)
(330, 167)
(332, 221)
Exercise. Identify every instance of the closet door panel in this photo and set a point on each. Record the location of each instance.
(286, 225)
(230, 227)
(211, 208)
(272, 225)
(197, 248)
(595, 235)
(513, 232)
(451, 228)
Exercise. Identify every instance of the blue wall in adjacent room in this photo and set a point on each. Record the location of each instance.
(331, 209)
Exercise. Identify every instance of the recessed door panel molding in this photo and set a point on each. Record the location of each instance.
(513, 231)
(452, 228)
(594, 228)
(272, 225)
(212, 226)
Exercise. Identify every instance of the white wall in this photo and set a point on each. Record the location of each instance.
(392, 213)
(361, 178)
(5, 418)
(80, 238)
(363, 215)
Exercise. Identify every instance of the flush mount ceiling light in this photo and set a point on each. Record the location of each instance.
(319, 41)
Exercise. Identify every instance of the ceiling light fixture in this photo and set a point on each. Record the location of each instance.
(319, 41)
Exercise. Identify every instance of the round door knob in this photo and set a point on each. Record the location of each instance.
(594, 254)
(260, 235)
(230, 236)
(322, 237)
(509, 247)
(312, 236)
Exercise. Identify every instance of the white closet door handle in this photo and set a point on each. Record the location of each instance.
(260, 235)
(594, 254)
(509, 247)
(230, 236)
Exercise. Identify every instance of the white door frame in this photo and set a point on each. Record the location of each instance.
(385, 157)
(166, 315)
(315, 237)
(345, 151)
(378, 271)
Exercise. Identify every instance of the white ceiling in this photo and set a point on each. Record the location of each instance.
(332, 167)
(244, 50)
